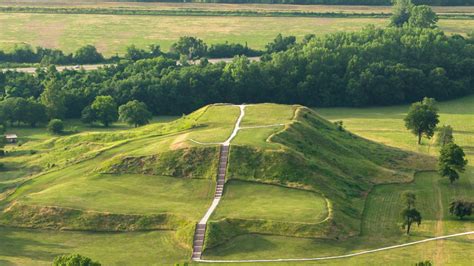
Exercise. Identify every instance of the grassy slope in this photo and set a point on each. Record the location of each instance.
(111, 34)
(38, 247)
(76, 181)
(310, 154)
(381, 215)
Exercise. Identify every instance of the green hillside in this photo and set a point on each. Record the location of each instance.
(304, 177)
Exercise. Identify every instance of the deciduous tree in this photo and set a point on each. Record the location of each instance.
(444, 135)
(461, 208)
(422, 118)
(422, 17)
(451, 161)
(105, 109)
(134, 113)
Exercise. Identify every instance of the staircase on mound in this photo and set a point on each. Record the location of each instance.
(201, 226)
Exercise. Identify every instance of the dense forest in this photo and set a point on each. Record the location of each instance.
(325, 2)
(399, 64)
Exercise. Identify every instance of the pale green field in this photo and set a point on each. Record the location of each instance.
(111, 34)
(269, 202)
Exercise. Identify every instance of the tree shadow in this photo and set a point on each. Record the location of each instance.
(14, 245)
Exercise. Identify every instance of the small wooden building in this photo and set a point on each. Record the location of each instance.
(11, 138)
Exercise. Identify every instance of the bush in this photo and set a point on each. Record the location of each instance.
(56, 126)
(74, 260)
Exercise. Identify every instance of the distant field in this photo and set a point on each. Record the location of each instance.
(226, 7)
(113, 33)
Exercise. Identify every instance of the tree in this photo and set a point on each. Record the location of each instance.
(2, 138)
(444, 135)
(88, 115)
(461, 208)
(134, 113)
(74, 260)
(401, 12)
(422, 17)
(280, 43)
(451, 161)
(191, 47)
(409, 214)
(56, 126)
(133, 53)
(34, 113)
(409, 198)
(54, 99)
(88, 55)
(422, 118)
(105, 109)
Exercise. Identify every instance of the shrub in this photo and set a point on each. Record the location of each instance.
(56, 126)
(74, 260)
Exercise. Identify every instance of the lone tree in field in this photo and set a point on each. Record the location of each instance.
(461, 208)
(444, 135)
(451, 161)
(410, 215)
(134, 113)
(422, 118)
(105, 109)
(74, 260)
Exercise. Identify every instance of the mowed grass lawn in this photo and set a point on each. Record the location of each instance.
(39, 247)
(380, 221)
(247, 200)
(111, 34)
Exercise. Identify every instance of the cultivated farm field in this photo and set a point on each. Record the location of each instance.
(111, 34)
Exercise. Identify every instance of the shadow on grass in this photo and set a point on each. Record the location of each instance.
(6, 263)
(249, 243)
(13, 244)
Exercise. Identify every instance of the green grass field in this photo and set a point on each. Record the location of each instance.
(270, 203)
(115, 171)
(39, 247)
(111, 34)
(380, 220)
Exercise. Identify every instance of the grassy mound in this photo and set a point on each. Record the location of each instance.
(305, 177)
(311, 154)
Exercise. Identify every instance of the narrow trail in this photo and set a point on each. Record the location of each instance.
(200, 233)
(343, 256)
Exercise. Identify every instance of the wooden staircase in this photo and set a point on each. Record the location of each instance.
(200, 232)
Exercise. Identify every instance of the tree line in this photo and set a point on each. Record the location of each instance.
(403, 63)
(325, 2)
(89, 54)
